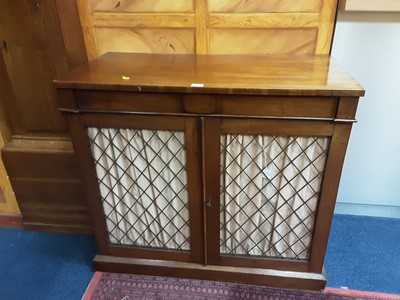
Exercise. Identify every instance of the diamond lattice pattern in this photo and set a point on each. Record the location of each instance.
(269, 194)
(143, 186)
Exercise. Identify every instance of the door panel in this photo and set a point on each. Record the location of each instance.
(268, 192)
(147, 192)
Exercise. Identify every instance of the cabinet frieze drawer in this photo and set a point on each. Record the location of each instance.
(198, 104)
(129, 102)
(308, 107)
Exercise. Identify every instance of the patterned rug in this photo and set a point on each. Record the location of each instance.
(128, 287)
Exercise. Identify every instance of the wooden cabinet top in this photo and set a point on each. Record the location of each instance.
(218, 74)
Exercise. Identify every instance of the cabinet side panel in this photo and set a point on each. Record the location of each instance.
(329, 191)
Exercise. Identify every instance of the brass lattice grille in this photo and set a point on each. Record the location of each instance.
(143, 186)
(269, 194)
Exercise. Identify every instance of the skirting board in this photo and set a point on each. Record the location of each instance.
(10, 220)
(276, 278)
(384, 211)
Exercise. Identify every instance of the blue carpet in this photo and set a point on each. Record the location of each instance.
(363, 254)
(44, 265)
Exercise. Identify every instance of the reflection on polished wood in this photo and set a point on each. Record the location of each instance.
(258, 74)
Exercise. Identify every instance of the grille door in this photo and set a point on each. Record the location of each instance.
(145, 185)
(263, 185)
(269, 194)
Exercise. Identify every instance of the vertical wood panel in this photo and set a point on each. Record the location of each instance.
(92, 193)
(202, 43)
(19, 20)
(211, 186)
(51, 53)
(327, 23)
(88, 29)
(329, 189)
(54, 37)
(71, 32)
(195, 192)
(35, 56)
(9, 115)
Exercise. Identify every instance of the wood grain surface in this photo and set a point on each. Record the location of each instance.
(44, 40)
(262, 41)
(296, 26)
(239, 74)
(45, 177)
(144, 40)
(241, 6)
(142, 6)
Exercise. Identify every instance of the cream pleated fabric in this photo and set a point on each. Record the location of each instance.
(269, 194)
(269, 190)
(143, 185)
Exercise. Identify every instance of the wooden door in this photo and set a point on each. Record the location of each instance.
(143, 183)
(266, 184)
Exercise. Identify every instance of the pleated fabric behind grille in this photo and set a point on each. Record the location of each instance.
(270, 189)
(143, 186)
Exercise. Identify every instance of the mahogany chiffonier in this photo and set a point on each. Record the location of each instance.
(222, 167)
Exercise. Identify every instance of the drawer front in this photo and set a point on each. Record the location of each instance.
(128, 102)
(208, 104)
(266, 106)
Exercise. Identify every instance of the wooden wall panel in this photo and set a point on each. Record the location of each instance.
(262, 41)
(72, 34)
(45, 177)
(148, 6)
(44, 41)
(144, 40)
(32, 42)
(283, 26)
(42, 203)
(257, 6)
